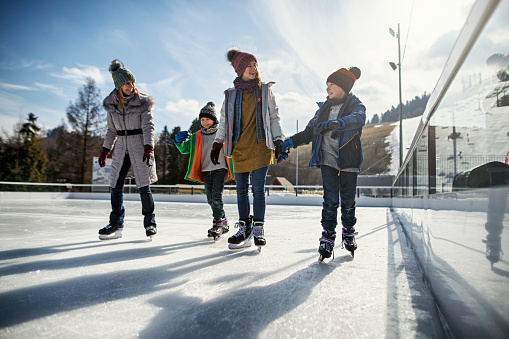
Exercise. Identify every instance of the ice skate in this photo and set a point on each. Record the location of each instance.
(259, 239)
(150, 231)
(493, 248)
(242, 238)
(326, 248)
(219, 227)
(348, 242)
(110, 232)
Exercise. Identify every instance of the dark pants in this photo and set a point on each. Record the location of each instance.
(334, 187)
(257, 187)
(214, 185)
(117, 200)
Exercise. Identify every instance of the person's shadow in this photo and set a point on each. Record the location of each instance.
(243, 313)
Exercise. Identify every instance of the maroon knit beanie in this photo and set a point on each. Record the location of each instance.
(345, 78)
(239, 60)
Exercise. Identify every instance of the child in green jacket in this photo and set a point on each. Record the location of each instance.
(202, 170)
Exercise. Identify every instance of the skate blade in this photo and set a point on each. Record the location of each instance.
(110, 236)
(245, 244)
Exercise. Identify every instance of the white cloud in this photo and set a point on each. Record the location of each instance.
(25, 64)
(324, 36)
(52, 88)
(80, 73)
(185, 107)
(16, 87)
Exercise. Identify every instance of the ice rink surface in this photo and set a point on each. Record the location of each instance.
(58, 280)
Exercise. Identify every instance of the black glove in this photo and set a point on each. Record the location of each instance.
(214, 154)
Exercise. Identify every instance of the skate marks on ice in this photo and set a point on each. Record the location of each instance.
(240, 313)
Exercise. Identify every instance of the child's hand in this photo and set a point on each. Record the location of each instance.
(214, 154)
(181, 137)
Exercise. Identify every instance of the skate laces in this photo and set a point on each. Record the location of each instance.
(242, 229)
(258, 231)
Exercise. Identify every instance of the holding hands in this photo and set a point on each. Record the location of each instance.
(283, 149)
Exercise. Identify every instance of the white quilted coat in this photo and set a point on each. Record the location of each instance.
(137, 114)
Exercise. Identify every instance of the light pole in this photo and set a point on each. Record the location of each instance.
(394, 66)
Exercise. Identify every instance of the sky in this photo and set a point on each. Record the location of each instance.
(177, 52)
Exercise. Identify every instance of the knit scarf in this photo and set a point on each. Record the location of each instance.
(244, 86)
(210, 130)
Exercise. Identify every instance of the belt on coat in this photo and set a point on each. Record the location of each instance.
(130, 132)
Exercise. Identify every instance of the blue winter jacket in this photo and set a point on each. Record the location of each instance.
(353, 113)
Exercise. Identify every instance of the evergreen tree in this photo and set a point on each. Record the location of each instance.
(161, 151)
(23, 162)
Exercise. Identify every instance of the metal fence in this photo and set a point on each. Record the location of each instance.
(10, 186)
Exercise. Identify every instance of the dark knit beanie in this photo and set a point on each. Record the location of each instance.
(208, 111)
(345, 78)
(120, 74)
(239, 60)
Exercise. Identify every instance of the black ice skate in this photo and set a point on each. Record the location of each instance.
(110, 232)
(493, 248)
(150, 231)
(326, 248)
(258, 235)
(349, 239)
(219, 227)
(243, 237)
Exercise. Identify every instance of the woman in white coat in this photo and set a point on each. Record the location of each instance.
(131, 131)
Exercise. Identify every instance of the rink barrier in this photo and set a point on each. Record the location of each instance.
(367, 196)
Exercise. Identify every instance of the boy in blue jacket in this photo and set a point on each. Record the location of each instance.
(335, 131)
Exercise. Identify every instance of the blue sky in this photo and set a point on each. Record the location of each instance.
(176, 50)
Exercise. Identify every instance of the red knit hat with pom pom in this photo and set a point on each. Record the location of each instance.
(239, 60)
(345, 78)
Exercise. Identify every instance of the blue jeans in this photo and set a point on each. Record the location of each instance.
(334, 186)
(117, 200)
(257, 187)
(214, 185)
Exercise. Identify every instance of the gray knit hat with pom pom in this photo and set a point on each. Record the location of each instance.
(120, 74)
(209, 111)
